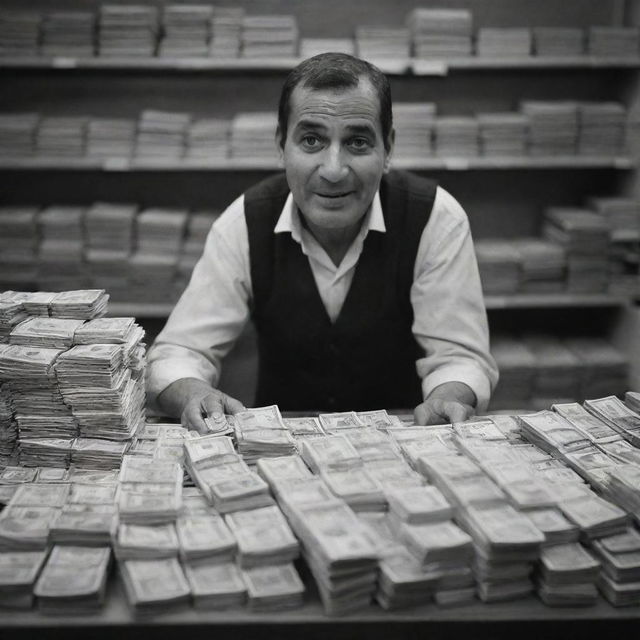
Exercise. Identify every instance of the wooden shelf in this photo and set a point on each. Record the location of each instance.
(241, 164)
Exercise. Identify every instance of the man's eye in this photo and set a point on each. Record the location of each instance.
(358, 143)
(311, 142)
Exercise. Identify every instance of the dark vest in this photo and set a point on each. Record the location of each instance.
(366, 359)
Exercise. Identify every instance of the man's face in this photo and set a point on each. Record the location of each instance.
(334, 154)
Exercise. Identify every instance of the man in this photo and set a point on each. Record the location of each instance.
(362, 282)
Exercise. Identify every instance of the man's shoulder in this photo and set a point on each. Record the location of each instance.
(409, 182)
(275, 186)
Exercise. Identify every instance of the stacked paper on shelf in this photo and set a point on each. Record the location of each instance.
(314, 46)
(517, 365)
(127, 30)
(253, 135)
(68, 33)
(502, 42)
(456, 136)
(273, 588)
(613, 41)
(499, 265)
(602, 128)
(110, 137)
(8, 426)
(18, 134)
(558, 41)
(74, 580)
(226, 32)
(152, 278)
(44, 451)
(160, 231)
(186, 30)
(414, 123)
(109, 227)
(63, 136)
(542, 265)
(382, 43)
(162, 134)
(18, 573)
(19, 32)
(622, 216)
(503, 134)
(152, 586)
(553, 127)
(441, 33)
(18, 247)
(269, 35)
(208, 138)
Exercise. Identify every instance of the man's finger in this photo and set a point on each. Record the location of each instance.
(232, 405)
(456, 411)
(212, 406)
(192, 418)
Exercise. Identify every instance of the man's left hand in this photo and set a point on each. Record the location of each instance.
(449, 402)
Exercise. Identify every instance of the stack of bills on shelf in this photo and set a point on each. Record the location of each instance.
(160, 231)
(152, 586)
(226, 32)
(310, 47)
(558, 41)
(8, 426)
(613, 41)
(267, 36)
(619, 555)
(48, 333)
(555, 527)
(18, 247)
(273, 588)
(26, 528)
(68, 33)
(61, 136)
(441, 33)
(161, 134)
(456, 136)
(595, 516)
(146, 542)
(18, 573)
(567, 576)
(553, 127)
(216, 586)
(503, 133)
(18, 133)
(622, 215)
(501, 42)
(542, 263)
(506, 544)
(152, 278)
(414, 123)
(45, 452)
(421, 505)
(186, 30)
(150, 491)
(19, 32)
(222, 476)
(127, 30)
(602, 128)
(264, 537)
(12, 313)
(382, 43)
(205, 539)
(208, 139)
(618, 416)
(73, 580)
(332, 452)
(499, 265)
(253, 135)
(110, 137)
(261, 432)
(340, 551)
(604, 367)
(86, 304)
(356, 487)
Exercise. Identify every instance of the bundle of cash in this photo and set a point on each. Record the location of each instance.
(273, 588)
(441, 544)
(152, 586)
(392, 475)
(592, 464)
(372, 445)
(612, 41)
(264, 537)
(304, 427)
(269, 35)
(25, 528)
(380, 419)
(556, 528)
(301, 491)
(20, 32)
(421, 505)
(12, 475)
(195, 503)
(592, 427)
(109, 226)
(501, 42)
(61, 136)
(602, 128)
(68, 33)
(161, 230)
(8, 426)
(89, 525)
(552, 433)
(110, 138)
(553, 126)
(261, 433)
(617, 415)
(558, 41)
(440, 33)
(186, 30)
(92, 491)
(205, 538)
(623, 484)
(503, 133)
(52, 452)
(85, 304)
(150, 491)
(620, 558)
(253, 135)
(379, 44)
(595, 516)
(49, 475)
(77, 475)
(226, 32)
(622, 451)
(97, 453)
(283, 468)
(12, 313)
(127, 30)
(567, 575)
(40, 495)
(356, 487)
(457, 136)
(216, 586)
(161, 135)
(442, 470)
(73, 580)
(332, 452)
(208, 139)
(18, 573)
(338, 423)
(146, 542)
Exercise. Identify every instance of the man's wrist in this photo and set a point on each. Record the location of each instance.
(174, 398)
(454, 391)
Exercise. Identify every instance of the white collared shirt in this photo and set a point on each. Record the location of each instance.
(450, 320)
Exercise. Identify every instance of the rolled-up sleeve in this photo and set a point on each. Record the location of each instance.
(211, 312)
(450, 319)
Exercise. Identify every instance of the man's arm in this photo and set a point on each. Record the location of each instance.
(458, 371)
(184, 361)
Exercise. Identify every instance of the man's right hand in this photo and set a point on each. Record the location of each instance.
(193, 400)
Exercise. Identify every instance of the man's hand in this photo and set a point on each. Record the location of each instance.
(449, 402)
(193, 400)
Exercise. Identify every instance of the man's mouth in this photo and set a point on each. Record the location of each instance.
(341, 194)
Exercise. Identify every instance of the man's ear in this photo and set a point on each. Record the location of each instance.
(391, 140)
(280, 146)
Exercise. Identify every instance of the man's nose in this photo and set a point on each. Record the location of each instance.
(334, 167)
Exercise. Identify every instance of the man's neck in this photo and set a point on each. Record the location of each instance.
(335, 242)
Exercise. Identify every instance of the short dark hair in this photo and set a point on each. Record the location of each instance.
(336, 71)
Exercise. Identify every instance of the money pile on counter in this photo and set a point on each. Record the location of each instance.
(375, 509)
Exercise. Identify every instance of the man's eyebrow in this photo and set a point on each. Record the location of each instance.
(361, 129)
(311, 125)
